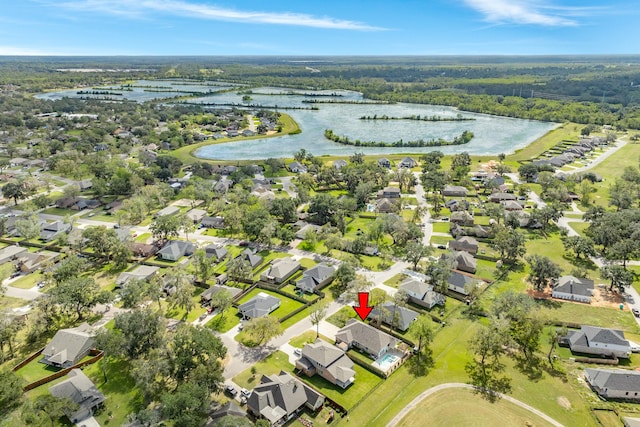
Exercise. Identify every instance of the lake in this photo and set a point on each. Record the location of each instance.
(492, 134)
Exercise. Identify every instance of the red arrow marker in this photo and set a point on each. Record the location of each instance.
(364, 309)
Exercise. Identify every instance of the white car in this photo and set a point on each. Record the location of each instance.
(297, 352)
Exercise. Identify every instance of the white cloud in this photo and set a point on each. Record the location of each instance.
(141, 8)
(528, 12)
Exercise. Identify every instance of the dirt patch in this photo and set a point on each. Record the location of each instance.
(564, 402)
(601, 297)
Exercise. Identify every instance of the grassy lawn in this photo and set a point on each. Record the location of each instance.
(28, 281)
(589, 315)
(35, 370)
(579, 227)
(142, 238)
(395, 280)
(552, 247)
(307, 263)
(340, 317)
(357, 226)
(485, 269)
(223, 324)
(365, 383)
(439, 240)
(569, 131)
(306, 338)
(460, 407)
(441, 227)
(273, 364)
(612, 168)
(7, 303)
(58, 211)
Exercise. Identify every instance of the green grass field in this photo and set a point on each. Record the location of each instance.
(460, 407)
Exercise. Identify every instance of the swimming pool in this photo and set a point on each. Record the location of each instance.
(387, 361)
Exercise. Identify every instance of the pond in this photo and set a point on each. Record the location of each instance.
(332, 110)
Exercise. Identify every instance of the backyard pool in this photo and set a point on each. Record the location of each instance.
(386, 361)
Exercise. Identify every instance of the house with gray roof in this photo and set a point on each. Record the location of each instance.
(501, 197)
(384, 162)
(408, 162)
(253, 258)
(141, 272)
(297, 167)
(614, 383)
(69, 346)
(454, 191)
(258, 306)
(511, 205)
(169, 210)
(50, 231)
(206, 296)
(28, 262)
(421, 293)
(279, 398)
(600, 341)
(216, 252)
(464, 261)
(176, 249)
(394, 315)
(573, 289)
(213, 222)
(315, 278)
(79, 388)
(339, 164)
(328, 361)
(11, 252)
(464, 243)
(460, 282)
(386, 206)
(229, 409)
(196, 215)
(463, 218)
(372, 341)
(280, 270)
(389, 193)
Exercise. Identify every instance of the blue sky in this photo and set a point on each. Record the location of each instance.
(325, 27)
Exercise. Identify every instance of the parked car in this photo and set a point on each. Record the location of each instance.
(231, 391)
(297, 352)
(441, 247)
(635, 312)
(245, 393)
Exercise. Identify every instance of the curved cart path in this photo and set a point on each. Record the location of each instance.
(440, 387)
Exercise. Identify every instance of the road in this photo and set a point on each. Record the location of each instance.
(445, 386)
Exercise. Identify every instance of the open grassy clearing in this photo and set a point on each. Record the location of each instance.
(460, 407)
(568, 131)
(612, 168)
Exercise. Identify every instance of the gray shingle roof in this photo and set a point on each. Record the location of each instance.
(574, 285)
(614, 379)
(365, 335)
(404, 315)
(592, 334)
(81, 390)
(68, 345)
(258, 306)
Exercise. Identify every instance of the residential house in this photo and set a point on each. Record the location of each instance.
(316, 278)
(328, 361)
(196, 215)
(248, 132)
(213, 222)
(454, 191)
(501, 197)
(339, 164)
(258, 306)
(82, 204)
(280, 270)
(279, 398)
(421, 293)
(11, 252)
(511, 205)
(206, 296)
(614, 383)
(253, 258)
(463, 218)
(69, 346)
(306, 228)
(408, 162)
(397, 316)
(464, 243)
(169, 210)
(141, 272)
(28, 262)
(216, 251)
(79, 388)
(384, 162)
(389, 193)
(18, 161)
(50, 231)
(573, 289)
(85, 184)
(372, 341)
(452, 205)
(464, 261)
(600, 341)
(460, 282)
(65, 202)
(176, 249)
(143, 250)
(386, 206)
(297, 167)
